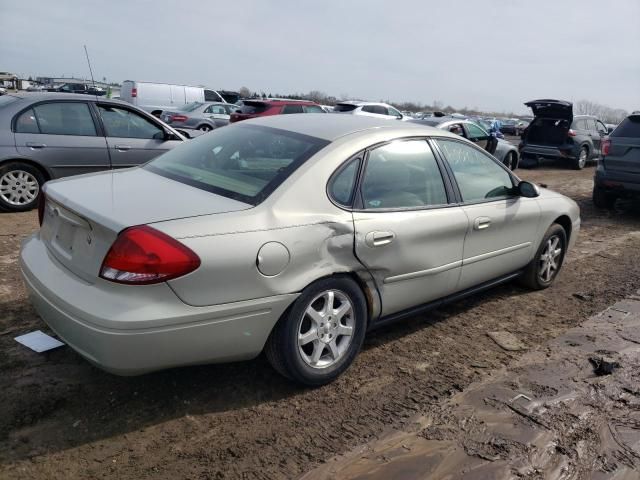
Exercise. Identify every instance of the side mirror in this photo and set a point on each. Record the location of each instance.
(528, 189)
(399, 117)
(609, 130)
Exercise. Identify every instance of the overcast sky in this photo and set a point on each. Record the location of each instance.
(490, 54)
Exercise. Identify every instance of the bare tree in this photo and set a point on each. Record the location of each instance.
(603, 112)
(244, 92)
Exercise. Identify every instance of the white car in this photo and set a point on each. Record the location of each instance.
(370, 109)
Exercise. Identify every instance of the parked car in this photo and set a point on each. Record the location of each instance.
(157, 97)
(78, 88)
(327, 108)
(618, 172)
(203, 116)
(556, 134)
(44, 136)
(508, 126)
(503, 150)
(293, 235)
(372, 109)
(489, 127)
(273, 106)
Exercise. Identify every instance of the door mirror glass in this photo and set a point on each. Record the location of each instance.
(528, 189)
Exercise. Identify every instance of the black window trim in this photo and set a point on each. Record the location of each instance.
(32, 106)
(280, 178)
(357, 198)
(460, 200)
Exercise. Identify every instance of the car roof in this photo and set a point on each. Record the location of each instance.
(361, 102)
(38, 96)
(332, 127)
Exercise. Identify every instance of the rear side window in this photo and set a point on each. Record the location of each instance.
(27, 123)
(342, 185)
(253, 107)
(292, 109)
(65, 118)
(403, 175)
(344, 107)
(629, 127)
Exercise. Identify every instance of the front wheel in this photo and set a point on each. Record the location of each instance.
(205, 128)
(545, 266)
(319, 336)
(20, 185)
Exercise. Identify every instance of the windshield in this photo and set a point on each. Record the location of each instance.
(190, 107)
(243, 162)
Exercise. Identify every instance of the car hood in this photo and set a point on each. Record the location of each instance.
(135, 196)
(548, 108)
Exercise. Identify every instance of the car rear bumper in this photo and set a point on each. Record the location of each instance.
(623, 183)
(146, 328)
(543, 151)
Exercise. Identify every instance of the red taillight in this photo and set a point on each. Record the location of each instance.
(178, 118)
(606, 146)
(41, 202)
(143, 255)
(134, 92)
(571, 133)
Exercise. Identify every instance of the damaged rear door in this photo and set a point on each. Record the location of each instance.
(407, 233)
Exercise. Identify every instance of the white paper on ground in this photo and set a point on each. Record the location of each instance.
(39, 341)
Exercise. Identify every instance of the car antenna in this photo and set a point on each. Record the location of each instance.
(91, 72)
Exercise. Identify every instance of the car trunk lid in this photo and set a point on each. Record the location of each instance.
(83, 215)
(547, 108)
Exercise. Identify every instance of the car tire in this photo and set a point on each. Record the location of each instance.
(20, 185)
(603, 199)
(205, 128)
(511, 161)
(547, 262)
(581, 160)
(309, 344)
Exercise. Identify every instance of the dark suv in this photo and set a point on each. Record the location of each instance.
(618, 173)
(556, 134)
(261, 108)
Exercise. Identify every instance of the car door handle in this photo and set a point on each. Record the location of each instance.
(123, 148)
(379, 239)
(481, 223)
(35, 145)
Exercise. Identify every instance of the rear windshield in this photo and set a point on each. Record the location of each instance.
(243, 162)
(7, 99)
(344, 107)
(252, 107)
(190, 107)
(629, 127)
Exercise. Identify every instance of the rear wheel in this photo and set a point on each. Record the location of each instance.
(320, 335)
(546, 264)
(205, 128)
(603, 199)
(581, 161)
(20, 185)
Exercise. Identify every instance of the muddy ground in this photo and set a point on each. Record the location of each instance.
(62, 418)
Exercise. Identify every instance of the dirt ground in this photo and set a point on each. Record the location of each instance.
(62, 418)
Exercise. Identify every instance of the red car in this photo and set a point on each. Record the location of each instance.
(261, 108)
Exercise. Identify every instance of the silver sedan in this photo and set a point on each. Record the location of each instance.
(204, 116)
(290, 234)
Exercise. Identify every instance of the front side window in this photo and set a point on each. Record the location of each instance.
(478, 176)
(476, 133)
(403, 174)
(313, 109)
(122, 123)
(211, 96)
(65, 118)
(393, 112)
(244, 162)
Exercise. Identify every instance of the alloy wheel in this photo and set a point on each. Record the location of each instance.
(326, 329)
(582, 159)
(18, 187)
(549, 262)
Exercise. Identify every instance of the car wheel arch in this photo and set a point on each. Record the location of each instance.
(565, 222)
(41, 168)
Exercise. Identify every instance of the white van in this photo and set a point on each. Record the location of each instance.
(156, 97)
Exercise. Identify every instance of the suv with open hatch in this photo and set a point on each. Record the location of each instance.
(556, 134)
